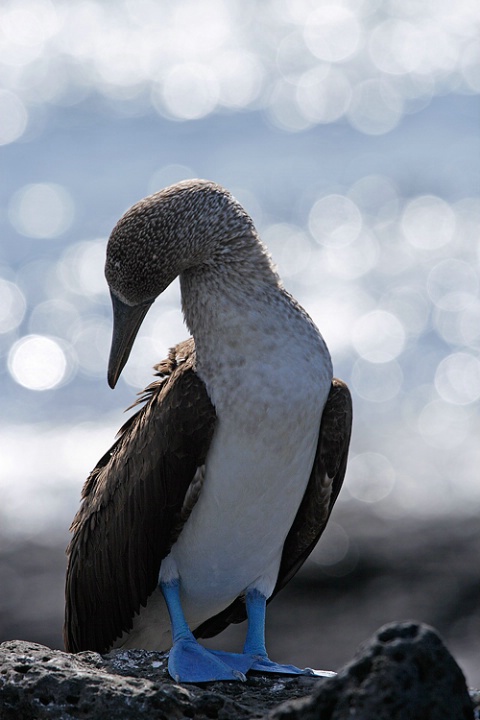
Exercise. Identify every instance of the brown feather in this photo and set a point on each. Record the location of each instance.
(132, 503)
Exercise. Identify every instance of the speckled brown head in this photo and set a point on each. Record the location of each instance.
(191, 223)
(181, 226)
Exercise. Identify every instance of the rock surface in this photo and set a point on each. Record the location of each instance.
(405, 671)
(38, 683)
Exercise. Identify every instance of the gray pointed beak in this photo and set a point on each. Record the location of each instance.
(126, 324)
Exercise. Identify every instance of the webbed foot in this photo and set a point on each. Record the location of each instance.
(188, 661)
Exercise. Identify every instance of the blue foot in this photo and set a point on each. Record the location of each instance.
(264, 665)
(255, 640)
(188, 661)
(237, 661)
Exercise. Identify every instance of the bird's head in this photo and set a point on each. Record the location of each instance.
(160, 237)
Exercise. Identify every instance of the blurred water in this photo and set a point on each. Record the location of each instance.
(348, 130)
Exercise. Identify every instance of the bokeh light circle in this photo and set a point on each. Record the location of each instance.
(56, 317)
(457, 378)
(12, 306)
(283, 108)
(81, 268)
(332, 33)
(41, 210)
(13, 117)
(461, 327)
(190, 91)
(290, 247)
(453, 284)
(428, 222)
(443, 425)
(91, 341)
(335, 221)
(334, 546)
(354, 260)
(37, 362)
(410, 306)
(376, 382)
(396, 47)
(323, 95)
(378, 336)
(375, 108)
(371, 477)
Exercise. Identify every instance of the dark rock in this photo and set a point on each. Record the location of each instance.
(403, 672)
(37, 683)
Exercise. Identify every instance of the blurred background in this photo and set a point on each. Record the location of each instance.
(350, 132)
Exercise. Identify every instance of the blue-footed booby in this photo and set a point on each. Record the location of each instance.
(219, 487)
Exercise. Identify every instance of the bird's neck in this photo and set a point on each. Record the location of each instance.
(218, 294)
(237, 314)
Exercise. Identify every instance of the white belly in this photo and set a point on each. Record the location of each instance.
(234, 537)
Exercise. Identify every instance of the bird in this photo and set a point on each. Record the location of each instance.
(218, 488)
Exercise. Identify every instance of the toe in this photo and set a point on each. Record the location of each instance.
(188, 661)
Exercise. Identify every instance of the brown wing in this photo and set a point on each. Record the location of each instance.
(325, 481)
(131, 505)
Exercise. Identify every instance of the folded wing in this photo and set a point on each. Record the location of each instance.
(132, 505)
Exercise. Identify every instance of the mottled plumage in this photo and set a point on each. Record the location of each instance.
(223, 481)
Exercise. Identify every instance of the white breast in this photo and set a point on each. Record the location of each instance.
(257, 471)
(268, 373)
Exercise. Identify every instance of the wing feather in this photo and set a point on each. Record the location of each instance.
(326, 480)
(131, 505)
